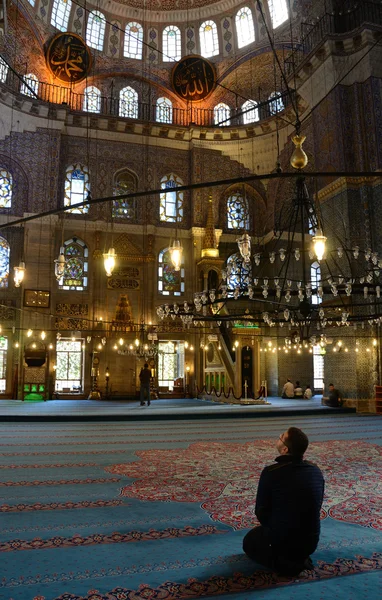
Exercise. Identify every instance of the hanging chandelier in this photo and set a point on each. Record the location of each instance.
(19, 273)
(109, 261)
(176, 254)
(59, 265)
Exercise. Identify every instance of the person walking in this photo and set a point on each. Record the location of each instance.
(145, 378)
(288, 505)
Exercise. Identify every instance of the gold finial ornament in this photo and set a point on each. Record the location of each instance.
(299, 158)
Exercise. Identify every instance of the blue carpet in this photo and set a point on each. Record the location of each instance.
(158, 510)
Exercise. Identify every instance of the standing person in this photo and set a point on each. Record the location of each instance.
(308, 392)
(288, 504)
(288, 390)
(334, 398)
(145, 377)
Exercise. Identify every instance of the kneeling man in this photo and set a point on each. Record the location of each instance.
(288, 504)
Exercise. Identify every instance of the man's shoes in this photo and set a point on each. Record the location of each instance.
(143, 404)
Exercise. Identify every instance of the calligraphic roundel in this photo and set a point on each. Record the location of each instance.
(193, 78)
(68, 58)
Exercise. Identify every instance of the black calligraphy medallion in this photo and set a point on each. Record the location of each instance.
(193, 78)
(68, 58)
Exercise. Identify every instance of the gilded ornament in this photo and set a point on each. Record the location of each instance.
(299, 158)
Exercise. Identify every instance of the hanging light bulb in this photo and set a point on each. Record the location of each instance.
(176, 253)
(43, 335)
(19, 273)
(319, 244)
(244, 244)
(29, 332)
(109, 261)
(59, 265)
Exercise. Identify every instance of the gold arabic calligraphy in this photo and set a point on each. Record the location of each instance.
(68, 58)
(193, 78)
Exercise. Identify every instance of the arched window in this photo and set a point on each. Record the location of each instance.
(222, 113)
(171, 43)
(76, 265)
(4, 262)
(60, 14)
(250, 112)
(237, 211)
(209, 42)
(239, 274)
(169, 280)
(125, 183)
(279, 12)
(315, 278)
(276, 103)
(244, 27)
(3, 363)
(30, 85)
(3, 70)
(164, 110)
(6, 188)
(77, 187)
(95, 30)
(133, 40)
(92, 99)
(128, 103)
(171, 202)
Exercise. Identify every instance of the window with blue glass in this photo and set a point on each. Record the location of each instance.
(125, 183)
(77, 187)
(4, 262)
(237, 211)
(76, 265)
(276, 103)
(171, 202)
(6, 188)
(169, 280)
(239, 274)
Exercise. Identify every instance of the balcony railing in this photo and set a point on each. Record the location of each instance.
(111, 106)
(364, 12)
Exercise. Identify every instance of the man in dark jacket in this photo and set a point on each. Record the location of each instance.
(145, 377)
(288, 505)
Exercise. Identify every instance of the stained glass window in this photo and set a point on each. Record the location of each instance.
(276, 103)
(239, 275)
(60, 14)
(76, 265)
(95, 31)
(6, 188)
(171, 43)
(133, 40)
(250, 112)
(92, 99)
(170, 362)
(222, 113)
(128, 103)
(3, 363)
(279, 11)
(237, 212)
(244, 27)
(209, 42)
(3, 70)
(4, 263)
(164, 110)
(69, 365)
(125, 183)
(77, 187)
(169, 280)
(171, 202)
(30, 85)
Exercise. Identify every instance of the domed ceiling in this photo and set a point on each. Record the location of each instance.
(169, 5)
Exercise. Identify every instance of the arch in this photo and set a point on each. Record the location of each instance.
(30, 85)
(133, 40)
(222, 113)
(125, 182)
(278, 10)
(4, 262)
(76, 187)
(92, 99)
(6, 188)
(238, 215)
(209, 41)
(128, 103)
(171, 202)
(76, 266)
(95, 30)
(172, 43)
(276, 103)
(213, 279)
(244, 27)
(163, 111)
(250, 112)
(169, 280)
(60, 14)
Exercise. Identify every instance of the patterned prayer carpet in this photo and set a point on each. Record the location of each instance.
(158, 510)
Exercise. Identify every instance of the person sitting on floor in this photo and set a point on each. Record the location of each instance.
(288, 505)
(334, 398)
(308, 393)
(298, 393)
(288, 390)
